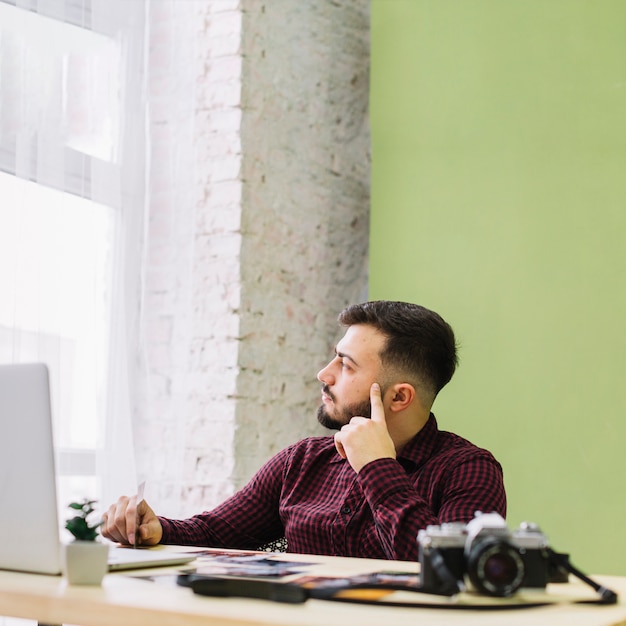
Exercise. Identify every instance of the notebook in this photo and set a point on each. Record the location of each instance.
(29, 523)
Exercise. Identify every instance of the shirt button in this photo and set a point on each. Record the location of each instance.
(345, 509)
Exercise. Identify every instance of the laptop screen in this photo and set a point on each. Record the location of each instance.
(29, 524)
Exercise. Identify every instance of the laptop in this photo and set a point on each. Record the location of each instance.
(29, 523)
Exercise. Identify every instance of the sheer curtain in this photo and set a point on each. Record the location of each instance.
(72, 203)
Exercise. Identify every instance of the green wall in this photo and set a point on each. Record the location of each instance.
(499, 200)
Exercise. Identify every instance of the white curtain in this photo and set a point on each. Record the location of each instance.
(72, 202)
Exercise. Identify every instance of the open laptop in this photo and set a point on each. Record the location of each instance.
(29, 523)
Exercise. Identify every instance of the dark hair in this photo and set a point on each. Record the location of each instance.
(420, 343)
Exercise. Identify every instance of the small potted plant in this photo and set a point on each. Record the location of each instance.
(86, 558)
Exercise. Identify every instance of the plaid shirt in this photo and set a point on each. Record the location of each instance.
(311, 496)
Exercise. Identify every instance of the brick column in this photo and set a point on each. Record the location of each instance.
(257, 234)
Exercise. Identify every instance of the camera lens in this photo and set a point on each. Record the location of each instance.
(495, 567)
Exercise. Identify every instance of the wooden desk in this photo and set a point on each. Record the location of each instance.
(125, 599)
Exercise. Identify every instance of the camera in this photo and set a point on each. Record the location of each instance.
(486, 556)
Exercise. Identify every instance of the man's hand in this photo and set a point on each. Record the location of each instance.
(125, 518)
(363, 440)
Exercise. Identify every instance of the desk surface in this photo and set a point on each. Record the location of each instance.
(127, 599)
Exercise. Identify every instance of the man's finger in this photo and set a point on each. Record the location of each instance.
(132, 520)
(378, 410)
(339, 446)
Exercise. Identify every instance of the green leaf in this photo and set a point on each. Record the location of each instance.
(78, 525)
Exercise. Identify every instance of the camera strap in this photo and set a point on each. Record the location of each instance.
(449, 584)
(607, 596)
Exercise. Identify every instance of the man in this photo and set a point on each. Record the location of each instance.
(386, 473)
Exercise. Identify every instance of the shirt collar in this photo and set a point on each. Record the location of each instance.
(417, 451)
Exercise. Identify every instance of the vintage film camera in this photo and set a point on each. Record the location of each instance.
(486, 556)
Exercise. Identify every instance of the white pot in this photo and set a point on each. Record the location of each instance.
(85, 562)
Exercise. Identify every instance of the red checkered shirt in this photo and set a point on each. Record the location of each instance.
(311, 496)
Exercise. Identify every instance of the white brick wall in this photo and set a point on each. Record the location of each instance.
(257, 235)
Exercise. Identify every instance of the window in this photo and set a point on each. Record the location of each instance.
(69, 196)
(55, 272)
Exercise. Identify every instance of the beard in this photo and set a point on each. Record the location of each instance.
(342, 415)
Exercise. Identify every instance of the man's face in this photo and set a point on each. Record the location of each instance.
(348, 377)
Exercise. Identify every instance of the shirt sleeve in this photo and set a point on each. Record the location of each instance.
(246, 520)
(471, 483)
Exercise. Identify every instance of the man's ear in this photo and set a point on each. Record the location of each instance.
(400, 396)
